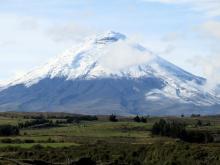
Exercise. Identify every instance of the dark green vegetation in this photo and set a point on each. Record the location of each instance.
(140, 119)
(113, 118)
(176, 129)
(60, 138)
(8, 130)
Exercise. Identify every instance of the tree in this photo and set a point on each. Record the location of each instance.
(143, 119)
(8, 130)
(137, 119)
(170, 129)
(177, 130)
(113, 118)
(156, 129)
(199, 123)
(195, 115)
(196, 136)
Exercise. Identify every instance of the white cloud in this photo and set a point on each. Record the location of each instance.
(212, 28)
(210, 67)
(25, 43)
(121, 55)
(18, 74)
(210, 7)
(29, 23)
(207, 62)
(68, 32)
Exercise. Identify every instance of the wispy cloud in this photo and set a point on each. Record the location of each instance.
(29, 23)
(210, 7)
(25, 42)
(208, 30)
(68, 32)
(212, 28)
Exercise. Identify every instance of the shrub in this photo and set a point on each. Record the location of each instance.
(198, 137)
(6, 140)
(140, 119)
(29, 141)
(170, 129)
(77, 119)
(17, 141)
(199, 123)
(84, 161)
(8, 130)
(143, 119)
(37, 123)
(49, 140)
(195, 115)
(37, 147)
(113, 118)
(34, 122)
(137, 119)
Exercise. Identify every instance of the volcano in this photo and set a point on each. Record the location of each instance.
(107, 74)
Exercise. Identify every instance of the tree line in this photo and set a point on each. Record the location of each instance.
(178, 130)
(9, 130)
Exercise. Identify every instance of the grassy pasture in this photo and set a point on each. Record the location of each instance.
(105, 142)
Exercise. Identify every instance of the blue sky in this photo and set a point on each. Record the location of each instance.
(185, 32)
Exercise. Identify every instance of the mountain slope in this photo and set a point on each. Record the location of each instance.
(109, 74)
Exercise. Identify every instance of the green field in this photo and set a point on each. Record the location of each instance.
(105, 142)
(29, 145)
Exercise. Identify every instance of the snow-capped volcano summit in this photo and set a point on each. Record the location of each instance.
(109, 36)
(96, 57)
(103, 56)
(108, 74)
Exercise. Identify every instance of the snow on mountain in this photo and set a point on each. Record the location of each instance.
(112, 56)
(106, 55)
